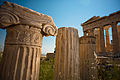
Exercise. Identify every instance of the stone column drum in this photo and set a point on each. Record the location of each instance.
(115, 38)
(87, 60)
(97, 35)
(102, 41)
(118, 28)
(107, 38)
(67, 55)
(25, 29)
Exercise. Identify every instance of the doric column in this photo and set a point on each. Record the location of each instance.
(97, 35)
(25, 29)
(118, 28)
(115, 41)
(67, 55)
(102, 41)
(107, 38)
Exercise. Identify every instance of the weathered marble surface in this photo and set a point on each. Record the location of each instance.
(88, 69)
(11, 14)
(25, 30)
(67, 58)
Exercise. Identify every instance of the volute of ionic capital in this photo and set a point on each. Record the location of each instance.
(13, 14)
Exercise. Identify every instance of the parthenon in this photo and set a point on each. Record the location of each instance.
(106, 51)
(97, 25)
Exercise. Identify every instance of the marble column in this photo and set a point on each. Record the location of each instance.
(118, 27)
(115, 41)
(21, 57)
(88, 69)
(97, 34)
(107, 38)
(67, 55)
(102, 41)
(25, 29)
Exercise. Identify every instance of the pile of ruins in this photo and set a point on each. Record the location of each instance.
(76, 57)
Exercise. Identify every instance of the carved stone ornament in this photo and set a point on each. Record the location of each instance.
(13, 14)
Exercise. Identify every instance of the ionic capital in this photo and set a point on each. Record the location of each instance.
(13, 14)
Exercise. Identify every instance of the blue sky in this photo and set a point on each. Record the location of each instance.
(66, 13)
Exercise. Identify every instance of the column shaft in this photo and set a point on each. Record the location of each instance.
(102, 41)
(21, 57)
(67, 55)
(97, 40)
(115, 37)
(107, 40)
(118, 27)
(87, 60)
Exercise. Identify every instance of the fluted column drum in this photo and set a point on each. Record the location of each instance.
(21, 57)
(67, 55)
(87, 59)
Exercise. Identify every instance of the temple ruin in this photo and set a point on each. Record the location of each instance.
(94, 47)
(97, 25)
(107, 52)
